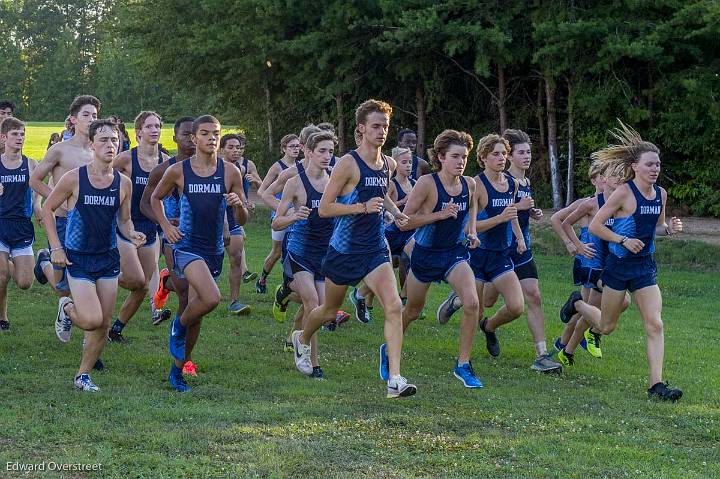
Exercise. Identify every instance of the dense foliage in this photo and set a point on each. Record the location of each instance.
(562, 70)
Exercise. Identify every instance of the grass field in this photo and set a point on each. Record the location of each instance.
(251, 414)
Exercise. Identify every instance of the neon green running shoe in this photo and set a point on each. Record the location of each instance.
(279, 309)
(592, 344)
(566, 359)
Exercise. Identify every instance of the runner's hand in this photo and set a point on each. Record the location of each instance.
(521, 247)
(232, 199)
(450, 211)
(525, 203)
(472, 241)
(401, 219)
(137, 238)
(536, 213)
(633, 245)
(58, 258)
(586, 249)
(302, 213)
(172, 234)
(509, 213)
(675, 226)
(374, 205)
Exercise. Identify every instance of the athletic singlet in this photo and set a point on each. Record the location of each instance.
(414, 168)
(246, 182)
(92, 221)
(583, 237)
(310, 236)
(362, 233)
(230, 210)
(333, 160)
(392, 227)
(16, 200)
(139, 178)
(283, 167)
(599, 245)
(640, 225)
(202, 210)
(172, 202)
(523, 191)
(448, 233)
(496, 238)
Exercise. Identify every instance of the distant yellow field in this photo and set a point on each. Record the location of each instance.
(38, 134)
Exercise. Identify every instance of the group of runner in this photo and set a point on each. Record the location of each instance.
(337, 222)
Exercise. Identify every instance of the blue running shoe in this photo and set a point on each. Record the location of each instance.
(177, 381)
(177, 340)
(466, 374)
(84, 383)
(384, 363)
(557, 347)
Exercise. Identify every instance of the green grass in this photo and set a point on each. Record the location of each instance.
(38, 134)
(252, 414)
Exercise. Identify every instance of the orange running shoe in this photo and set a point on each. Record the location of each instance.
(190, 368)
(161, 295)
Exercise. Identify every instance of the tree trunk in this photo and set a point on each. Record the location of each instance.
(502, 93)
(341, 123)
(421, 106)
(569, 198)
(268, 116)
(540, 112)
(552, 142)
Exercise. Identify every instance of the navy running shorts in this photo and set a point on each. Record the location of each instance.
(17, 236)
(630, 273)
(294, 263)
(487, 265)
(147, 227)
(430, 265)
(182, 258)
(397, 240)
(93, 266)
(349, 269)
(526, 270)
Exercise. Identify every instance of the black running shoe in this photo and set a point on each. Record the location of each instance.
(98, 366)
(361, 312)
(161, 315)
(261, 286)
(317, 373)
(43, 255)
(114, 337)
(662, 392)
(491, 340)
(4, 325)
(568, 310)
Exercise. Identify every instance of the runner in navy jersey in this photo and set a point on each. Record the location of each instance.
(98, 200)
(208, 188)
(638, 211)
(408, 139)
(230, 152)
(310, 237)
(519, 158)
(17, 205)
(442, 208)
(139, 266)
(59, 159)
(591, 266)
(169, 280)
(290, 146)
(357, 196)
(496, 223)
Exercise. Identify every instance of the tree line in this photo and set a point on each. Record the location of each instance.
(564, 71)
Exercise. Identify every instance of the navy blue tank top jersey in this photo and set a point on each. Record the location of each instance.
(362, 233)
(392, 227)
(283, 167)
(640, 225)
(333, 160)
(414, 168)
(172, 202)
(498, 237)
(16, 200)
(311, 237)
(139, 178)
(202, 211)
(246, 182)
(448, 233)
(583, 237)
(91, 223)
(523, 191)
(599, 245)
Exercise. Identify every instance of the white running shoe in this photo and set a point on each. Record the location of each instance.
(302, 354)
(63, 325)
(398, 387)
(84, 383)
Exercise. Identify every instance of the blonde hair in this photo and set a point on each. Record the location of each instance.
(398, 151)
(487, 144)
(143, 116)
(444, 141)
(626, 152)
(596, 168)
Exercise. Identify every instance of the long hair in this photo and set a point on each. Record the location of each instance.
(628, 150)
